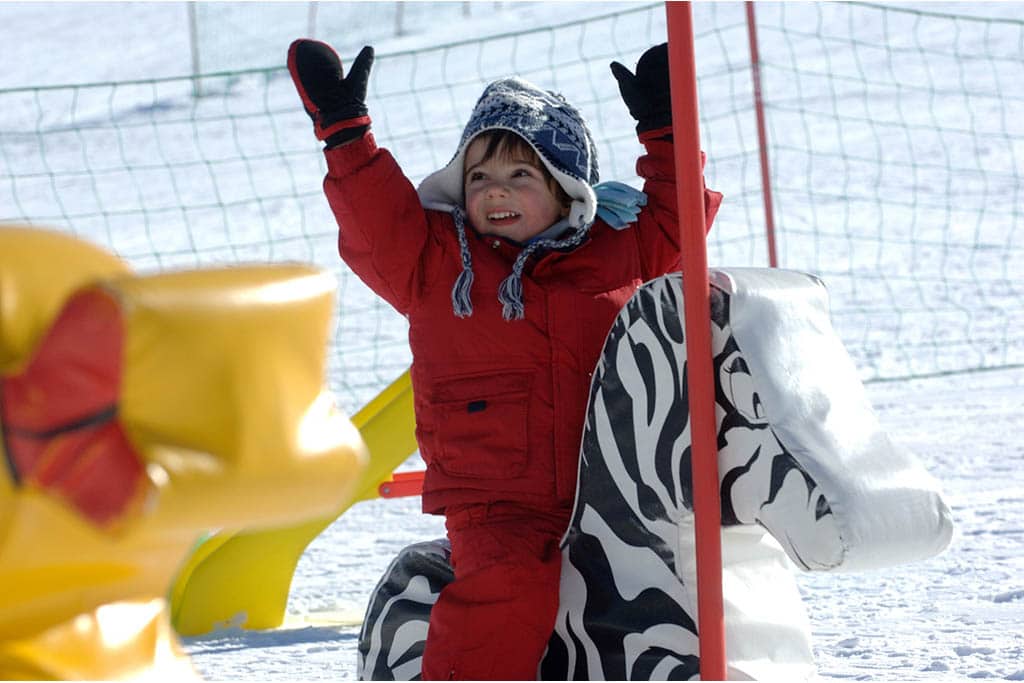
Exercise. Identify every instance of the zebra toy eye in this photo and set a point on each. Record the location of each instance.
(739, 389)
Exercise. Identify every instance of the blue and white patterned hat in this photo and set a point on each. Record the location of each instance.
(552, 126)
(559, 135)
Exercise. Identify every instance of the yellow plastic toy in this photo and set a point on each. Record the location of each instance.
(243, 578)
(135, 413)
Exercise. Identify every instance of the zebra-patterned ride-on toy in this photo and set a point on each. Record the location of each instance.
(807, 478)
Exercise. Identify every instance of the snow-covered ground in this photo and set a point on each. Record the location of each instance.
(960, 615)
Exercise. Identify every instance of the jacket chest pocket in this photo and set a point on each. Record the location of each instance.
(480, 424)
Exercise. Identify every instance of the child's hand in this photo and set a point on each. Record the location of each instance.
(647, 94)
(335, 102)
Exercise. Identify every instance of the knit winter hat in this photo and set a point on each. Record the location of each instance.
(559, 135)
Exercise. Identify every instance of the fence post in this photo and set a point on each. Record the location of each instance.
(311, 19)
(193, 34)
(699, 373)
(762, 137)
(399, 9)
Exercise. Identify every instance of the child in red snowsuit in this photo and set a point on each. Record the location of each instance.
(510, 269)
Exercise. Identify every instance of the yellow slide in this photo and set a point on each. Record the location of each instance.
(243, 578)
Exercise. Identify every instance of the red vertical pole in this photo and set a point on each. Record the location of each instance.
(762, 137)
(697, 322)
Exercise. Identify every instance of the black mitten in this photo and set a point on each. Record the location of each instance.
(647, 94)
(335, 102)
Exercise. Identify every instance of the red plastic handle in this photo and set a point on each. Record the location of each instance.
(402, 484)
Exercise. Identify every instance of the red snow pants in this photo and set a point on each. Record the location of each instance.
(494, 620)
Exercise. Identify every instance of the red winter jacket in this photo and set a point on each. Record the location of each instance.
(499, 404)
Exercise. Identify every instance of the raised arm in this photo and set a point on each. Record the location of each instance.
(382, 228)
(648, 97)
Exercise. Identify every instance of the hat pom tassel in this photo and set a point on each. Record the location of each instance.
(461, 302)
(510, 294)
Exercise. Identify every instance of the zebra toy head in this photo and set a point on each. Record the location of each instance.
(803, 471)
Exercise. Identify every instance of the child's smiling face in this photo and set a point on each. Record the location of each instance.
(508, 194)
